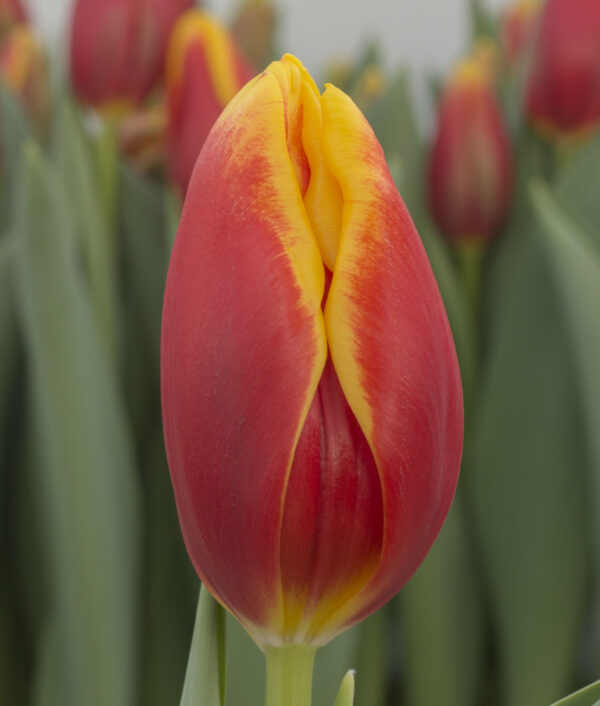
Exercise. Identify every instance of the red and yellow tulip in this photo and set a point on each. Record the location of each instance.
(118, 49)
(563, 92)
(24, 70)
(312, 403)
(470, 166)
(12, 12)
(204, 71)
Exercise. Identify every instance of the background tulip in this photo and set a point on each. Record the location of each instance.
(11, 13)
(204, 72)
(312, 405)
(23, 69)
(470, 166)
(118, 48)
(563, 91)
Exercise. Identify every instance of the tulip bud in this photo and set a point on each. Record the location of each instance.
(470, 166)
(563, 92)
(12, 12)
(204, 71)
(24, 70)
(312, 404)
(518, 25)
(118, 48)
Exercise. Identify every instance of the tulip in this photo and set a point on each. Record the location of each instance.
(12, 12)
(118, 49)
(470, 166)
(204, 71)
(563, 92)
(518, 25)
(312, 404)
(24, 70)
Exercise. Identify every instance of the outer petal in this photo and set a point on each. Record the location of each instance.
(204, 72)
(243, 295)
(393, 353)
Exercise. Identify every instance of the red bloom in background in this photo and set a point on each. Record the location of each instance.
(470, 166)
(12, 12)
(118, 48)
(563, 91)
(312, 403)
(204, 71)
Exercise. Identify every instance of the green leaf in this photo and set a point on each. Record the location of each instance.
(86, 465)
(332, 662)
(393, 121)
(574, 259)
(588, 696)
(166, 621)
(345, 695)
(205, 675)
(142, 230)
(527, 483)
(15, 130)
(442, 608)
(92, 231)
(371, 658)
(245, 664)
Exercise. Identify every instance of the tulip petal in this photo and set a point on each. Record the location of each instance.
(243, 349)
(392, 350)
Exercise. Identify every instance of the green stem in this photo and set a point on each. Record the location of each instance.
(470, 254)
(289, 675)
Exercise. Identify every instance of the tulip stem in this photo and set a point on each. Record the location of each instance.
(289, 675)
(470, 255)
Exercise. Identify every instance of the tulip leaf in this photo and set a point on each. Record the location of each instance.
(15, 130)
(92, 232)
(205, 675)
(166, 620)
(86, 468)
(371, 658)
(245, 664)
(345, 695)
(526, 482)
(142, 229)
(8, 338)
(588, 696)
(442, 608)
(393, 121)
(574, 259)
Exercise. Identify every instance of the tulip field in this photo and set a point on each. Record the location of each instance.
(299, 390)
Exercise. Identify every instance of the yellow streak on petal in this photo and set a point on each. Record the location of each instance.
(323, 198)
(254, 124)
(347, 141)
(195, 26)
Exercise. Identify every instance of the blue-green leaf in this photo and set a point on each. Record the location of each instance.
(86, 467)
(205, 675)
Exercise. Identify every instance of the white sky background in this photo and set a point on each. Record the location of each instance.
(422, 34)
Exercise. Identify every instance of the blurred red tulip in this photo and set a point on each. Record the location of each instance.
(563, 92)
(12, 12)
(312, 403)
(118, 48)
(470, 166)
(518, 25)
(24, 70)
(204, 71)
